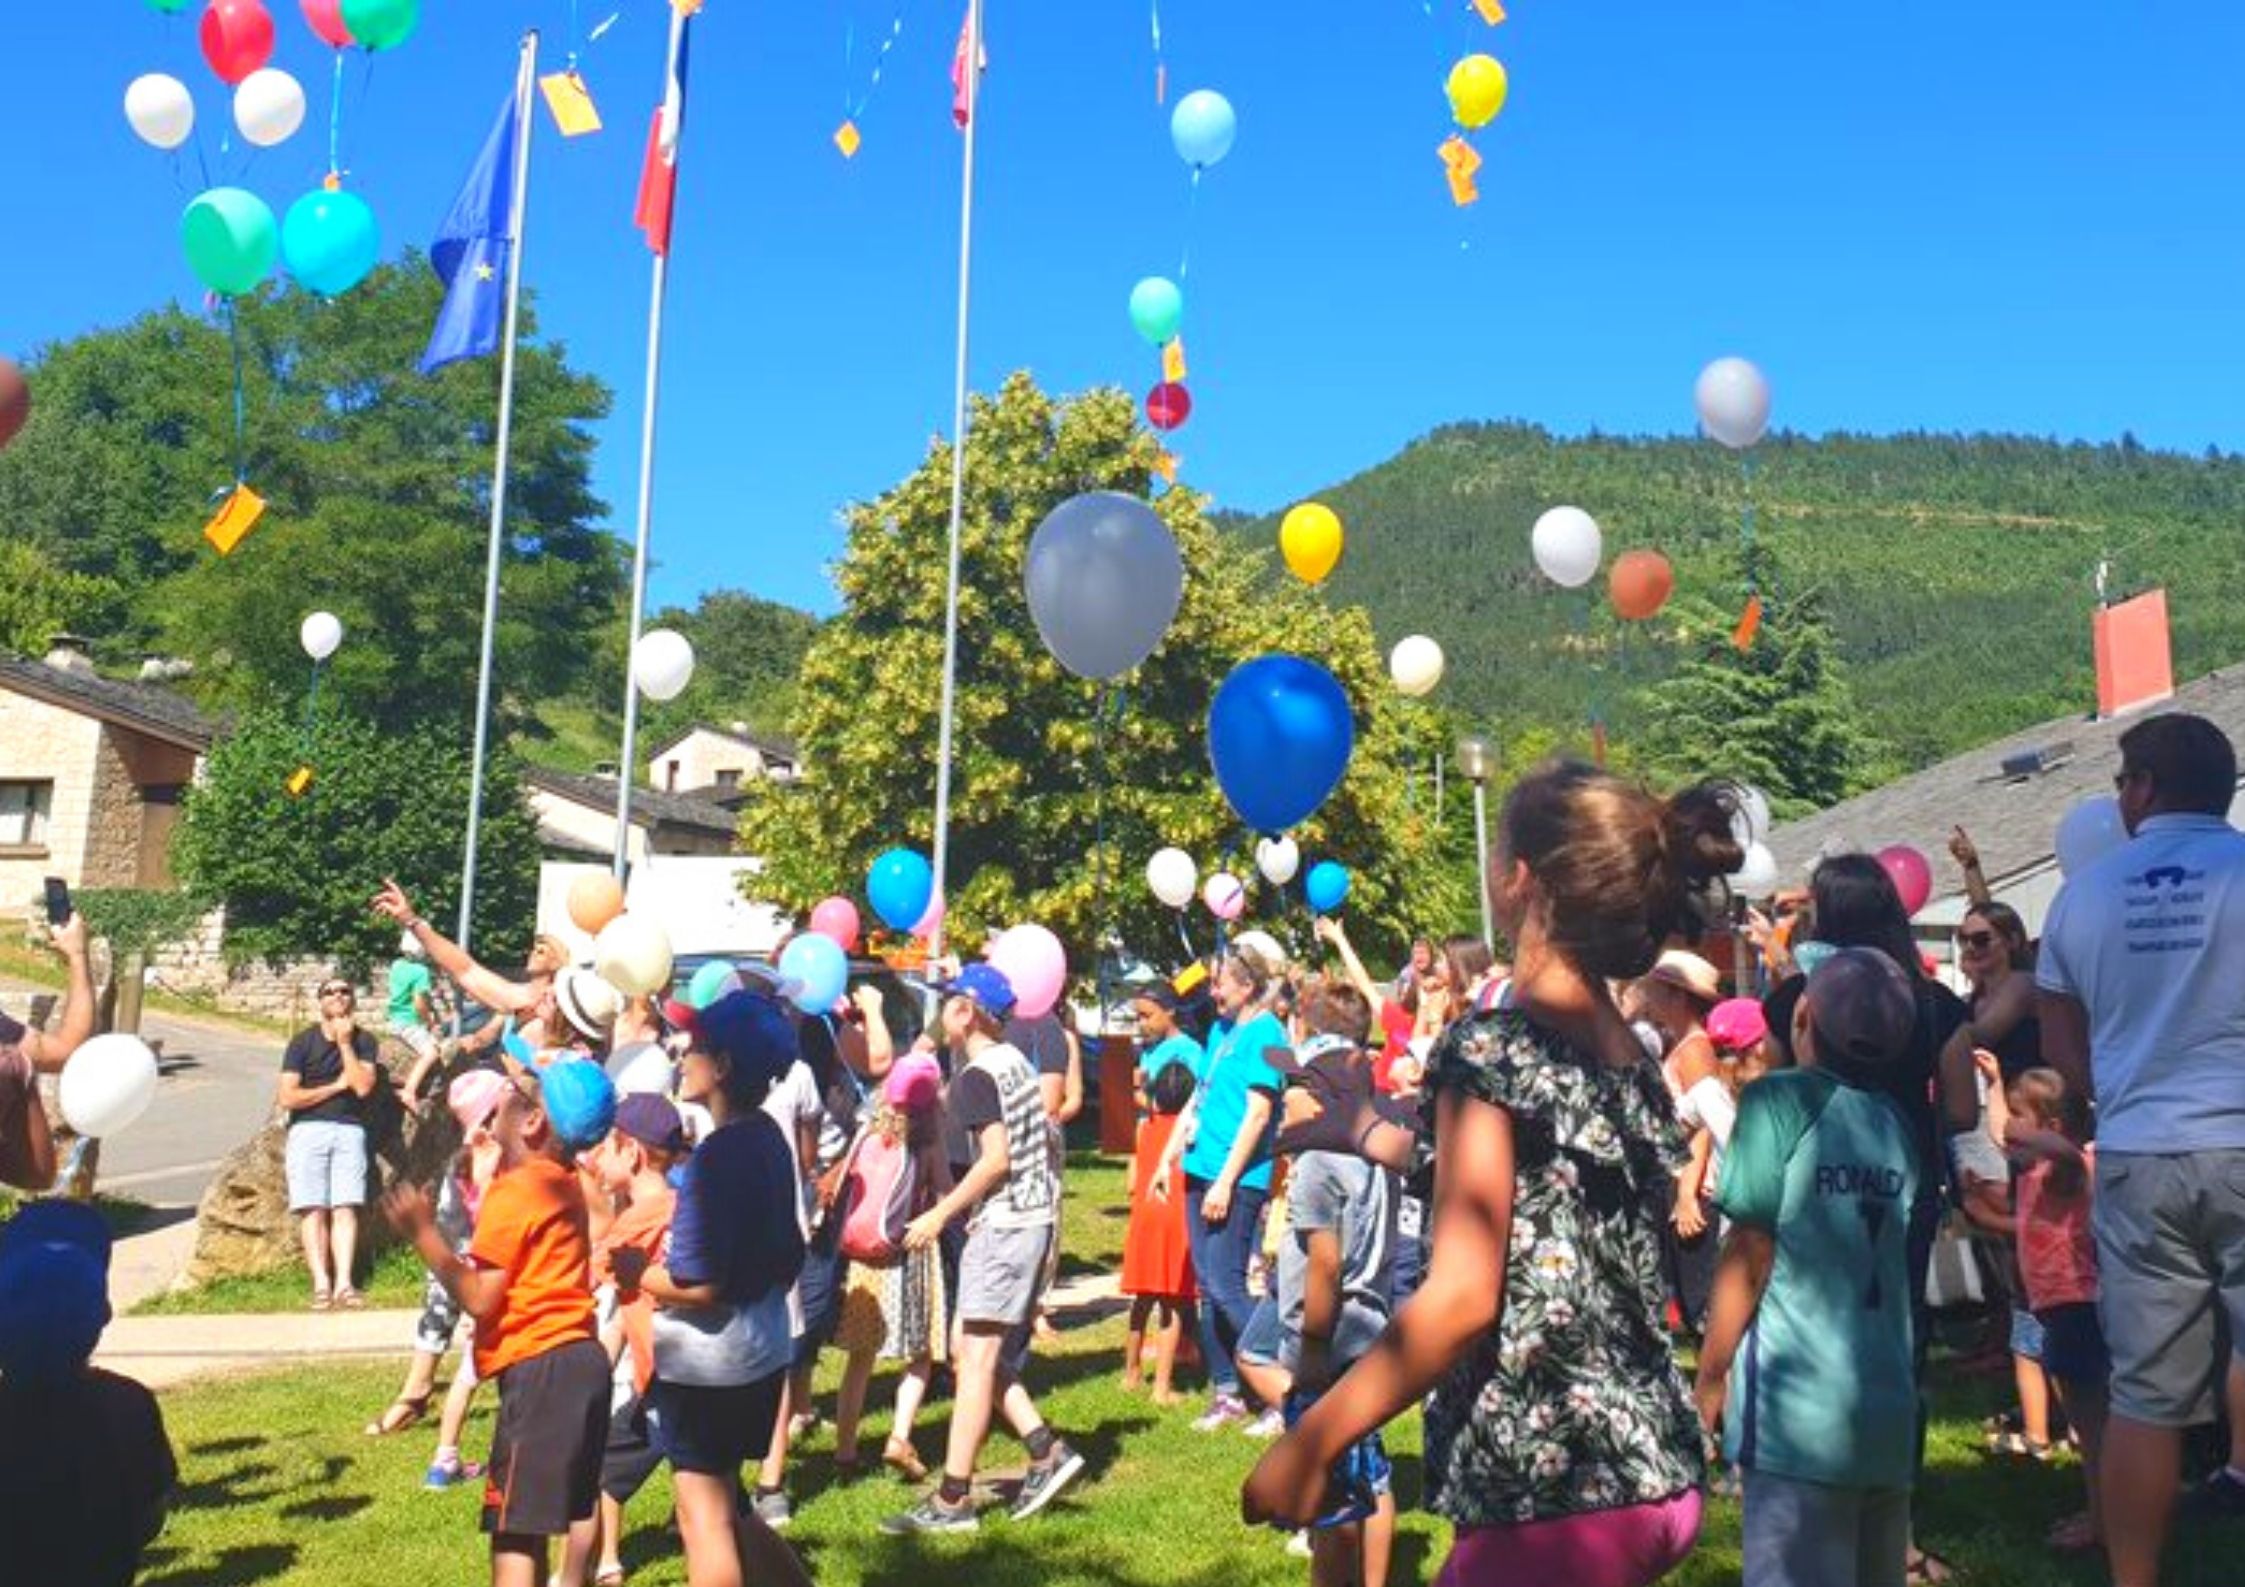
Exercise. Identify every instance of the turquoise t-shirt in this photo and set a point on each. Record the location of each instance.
(408, 979)
(1822, 1389)
(1175, 1049)
(1236, 1066)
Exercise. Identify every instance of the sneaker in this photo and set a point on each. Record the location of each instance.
(2221, 1495)
(932, 1515)
(773, 1508)
(1222, 1411)
(1043, 1483)
(444, 1474)
(1268, 1425)
(1298, 1544)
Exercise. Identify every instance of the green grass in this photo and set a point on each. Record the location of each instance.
(395, 1281)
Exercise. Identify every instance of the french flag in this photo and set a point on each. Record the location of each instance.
(658, 177)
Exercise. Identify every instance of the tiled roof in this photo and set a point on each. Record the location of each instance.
(143, 707)
(774, 746)
(648, 806)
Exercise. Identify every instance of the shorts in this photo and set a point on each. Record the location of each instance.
(1799, 1532)
(713, 1432)
(818, 1290)
(440, 1318)
(2073, 1347)
(2170, 1263)
(326, 1164)
(2027, 1339)
(418, 1039)
(1628, 1547)
(1263, 1342)
(545, 1452)
(1002, 1272)
(630, 1456)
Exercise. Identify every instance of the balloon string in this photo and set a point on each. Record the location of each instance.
(1746, 521)
(1192, 209)
(335, 120)
(241, 416)
(854, 109)
(1161, 69)
(312, 704)
(576, 35)
(1100, 922)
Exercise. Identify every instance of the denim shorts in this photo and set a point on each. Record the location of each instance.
(326, 1162)
(1263, 1341)
(2026, 1334)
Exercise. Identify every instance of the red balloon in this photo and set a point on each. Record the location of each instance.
(325, 17)
(1640, 584)
(1911, 875)
(237, 37)
(1168, 405)
(15, 401)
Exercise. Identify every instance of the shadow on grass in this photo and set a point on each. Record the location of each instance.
(224, 1446)
(333, 1507)
(236, 1567)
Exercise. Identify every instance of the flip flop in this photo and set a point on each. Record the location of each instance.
(322, 1300)
(391, 1422)
(350, 1300)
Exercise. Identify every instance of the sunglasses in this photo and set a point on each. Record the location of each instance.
(335, 989)
(1976, 939)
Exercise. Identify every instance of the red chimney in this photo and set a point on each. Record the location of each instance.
(2135, 662)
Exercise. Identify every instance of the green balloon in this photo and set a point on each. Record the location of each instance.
(1157, 308)
(168, 7)
(231, 239)
(381, 24)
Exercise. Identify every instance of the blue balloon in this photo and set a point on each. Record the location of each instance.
(900, 886)
(709, 983)
(329, 242)
(1279, 736)
(1203, 126)
(818, 970)
(1327, 886)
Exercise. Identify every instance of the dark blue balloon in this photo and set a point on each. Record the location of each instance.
(1279, 735)
(1327, 886)
(900, 886)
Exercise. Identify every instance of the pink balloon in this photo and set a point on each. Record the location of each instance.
(931, 921)
(1032, 959)
(325, 17)
(837, 918)
(1911, 875)
(1224, 895)
(237, 38)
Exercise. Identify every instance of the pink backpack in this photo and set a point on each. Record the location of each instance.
(880, 1186)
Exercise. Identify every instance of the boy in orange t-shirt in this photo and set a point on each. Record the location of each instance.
(526, 1282)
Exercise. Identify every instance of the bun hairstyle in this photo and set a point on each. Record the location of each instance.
(1622, 871)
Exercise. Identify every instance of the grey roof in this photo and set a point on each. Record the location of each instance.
(773, 746)
(648, 806)
(142, 707)
(2013, 820)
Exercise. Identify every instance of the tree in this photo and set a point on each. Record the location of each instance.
(39, 599)
(295, 874)
(1032, 837)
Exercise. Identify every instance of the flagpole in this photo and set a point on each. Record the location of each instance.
(972, 79)
(526, 74)
(625, 768)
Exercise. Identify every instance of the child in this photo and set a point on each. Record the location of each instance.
(524, 1281)
(1157, 1266)
(1815, 1284)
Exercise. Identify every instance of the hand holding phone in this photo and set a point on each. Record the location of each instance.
(58, 901)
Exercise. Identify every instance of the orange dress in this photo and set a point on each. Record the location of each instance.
(1157, 1254)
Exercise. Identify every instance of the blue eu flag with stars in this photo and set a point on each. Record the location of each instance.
(470, 251)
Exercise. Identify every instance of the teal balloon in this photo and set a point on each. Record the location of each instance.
(1203, 127)
(381, 24)
(1327, 886)
(168, 7)
(819, 970)
(711, 982)
(1157, 308)
(231, 239)
(329, 242)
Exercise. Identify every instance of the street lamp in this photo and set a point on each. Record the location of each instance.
(1477, 759)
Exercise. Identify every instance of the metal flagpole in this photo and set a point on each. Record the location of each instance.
(526, 74)
(973, 87)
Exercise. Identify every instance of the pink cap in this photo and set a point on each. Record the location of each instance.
(914, 1083)
(475, 1096)
(1736, 1024)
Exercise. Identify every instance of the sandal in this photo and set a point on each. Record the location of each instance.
(901, 1458)
(1927, 1567)
(398, 1415)
(350, 1300)
(609, 1576)
(2019, 1444)
(322, 1300)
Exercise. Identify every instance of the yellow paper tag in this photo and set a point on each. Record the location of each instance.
(239, 515)
(1463, 190)
(1166, 466)
(1173, 360)
(1491, 11)
(847, 140)
(571, 103)
(299, 780)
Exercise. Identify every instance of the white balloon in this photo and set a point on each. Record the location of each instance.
(268, 106)
(1733, 402)
(1225, 895)
(107, 1085)
(1750, 822)
(160, 109)
(632, 954)
(1416, 665)
(1278, 859)
(2088, 832)
(663, 664)
(1567, 545)
(321, 634)
(1757, 876)
(1173, 877)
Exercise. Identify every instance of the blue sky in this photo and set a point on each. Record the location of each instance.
(1979, 215)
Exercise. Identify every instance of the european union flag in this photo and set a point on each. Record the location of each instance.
(470, 251)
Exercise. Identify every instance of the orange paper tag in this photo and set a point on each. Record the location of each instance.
(298, 782)
(847, 140)
(1749, 624)
(1492, 12)
(1166, 466)
(235, 519)
(1460, 160)
(571, 103)
(1173, 360)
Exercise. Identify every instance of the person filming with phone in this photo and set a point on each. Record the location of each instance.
(27, 1148)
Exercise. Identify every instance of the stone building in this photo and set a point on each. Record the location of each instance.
(718, 760)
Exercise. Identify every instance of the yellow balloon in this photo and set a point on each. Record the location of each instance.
(1310, 540)
(1477, 88)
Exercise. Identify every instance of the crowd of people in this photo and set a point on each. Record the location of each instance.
(1521, 1195)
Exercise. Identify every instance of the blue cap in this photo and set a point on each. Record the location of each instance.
(753, 1035)
(579, 1099)
(987, 985)
(54, 1289)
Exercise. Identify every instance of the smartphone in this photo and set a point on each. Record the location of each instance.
(58, 901)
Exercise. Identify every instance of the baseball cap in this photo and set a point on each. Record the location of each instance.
(54, 1289)
(475, 1096)
(752, 1034)
(987, 985)
(913, 1083)
(1736, 1024)
(652, 1121)
(588, 1003)
(579, 1099)
(1861, 1010)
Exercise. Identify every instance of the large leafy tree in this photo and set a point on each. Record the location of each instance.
(1056, 807)
(38, 599)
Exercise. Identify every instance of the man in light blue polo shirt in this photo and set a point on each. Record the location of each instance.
(2142, 983)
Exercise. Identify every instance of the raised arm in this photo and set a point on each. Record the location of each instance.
(1968, 859)
(48, 1050)
(492, 990)
(1332, 932)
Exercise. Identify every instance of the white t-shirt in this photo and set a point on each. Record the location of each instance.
(795, 1106)
(642, 1067)
(2151, 941)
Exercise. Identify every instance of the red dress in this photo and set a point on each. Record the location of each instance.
(1157, 1256)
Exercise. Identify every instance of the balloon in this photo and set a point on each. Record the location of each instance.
(1567, 546)
(381, 24)
(319, 634)
(1279, 736)
(237, 38)
(931, 918)
(268, 106)
(325, 17)
(1172, 876)
(1168, 405)
(595, 898)
(1328, 886)
(160, 109)
(1756, 876)
(1157, 308)
(168, 7)
(900, 886)
(1031, 958)
(711, 982)
(1750, 822)
(1477, 87)
(107, 1085)
(837, 918)
(1309, 538)
(1203, 127)
(329, 242)
(2088, 832)
(632, 954)
(1225, 895)
(1278, 859)
(1911, 875)
(1104, 579)
(230, 238)
(662, 664)
(15, 401)
(817, 970)
(1416, 665)
(1640, 584)
(1733, 402)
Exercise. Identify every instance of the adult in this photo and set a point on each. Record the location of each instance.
(327, 1074)
(2141, 960)
(526, 1000)
(1676, 999)
(27, 1147)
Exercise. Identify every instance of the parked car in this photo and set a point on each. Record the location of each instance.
(905, 995)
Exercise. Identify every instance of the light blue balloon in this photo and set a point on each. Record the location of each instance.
(900, 886)
(818, 969)
(1327, 886)
(1203, 127)
(329, 242)
(710, 983)
(1157, 309)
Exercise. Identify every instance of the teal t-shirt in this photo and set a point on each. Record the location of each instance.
(1236, 1066)
(409, 979)
(1822, 1389)
(1175, 1049)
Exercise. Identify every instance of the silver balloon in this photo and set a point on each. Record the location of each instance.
(1104, 578)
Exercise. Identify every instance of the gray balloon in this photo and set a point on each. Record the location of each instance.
(1104, 578)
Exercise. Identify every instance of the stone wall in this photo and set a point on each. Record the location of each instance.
(113, 820)
(287, 991)
(39, 743)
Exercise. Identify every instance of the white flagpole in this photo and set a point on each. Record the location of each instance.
(625, 769)
(526, 74)
(973, 86)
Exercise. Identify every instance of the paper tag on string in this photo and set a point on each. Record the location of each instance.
(239, 514)
(1166, 466)
(1749, 624)
(1173, 360)
(1460, 160)
(847, 140)
(299, 782)
(1492, 12)
(574, 113)
(1161, 85)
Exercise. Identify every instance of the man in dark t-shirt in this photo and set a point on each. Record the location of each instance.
(328, 1076)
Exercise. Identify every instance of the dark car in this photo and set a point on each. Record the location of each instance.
(904, 994)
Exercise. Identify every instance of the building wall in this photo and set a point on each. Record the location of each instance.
(42, 742)
(565, 824)
(700, 756)
(113, 818)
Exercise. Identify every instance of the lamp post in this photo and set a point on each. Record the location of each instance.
(1477, 758)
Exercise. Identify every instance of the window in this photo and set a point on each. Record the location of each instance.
(23, 814)
(670, 777)
(728, 777)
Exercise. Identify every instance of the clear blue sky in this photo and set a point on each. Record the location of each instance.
(1916, 214)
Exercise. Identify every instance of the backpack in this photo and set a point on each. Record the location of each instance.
(880, 1188)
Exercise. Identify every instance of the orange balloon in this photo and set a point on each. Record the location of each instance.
(15, 401)
(595, 899)
(1640, 584)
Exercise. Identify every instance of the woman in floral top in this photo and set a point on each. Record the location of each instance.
(1560, 1439)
